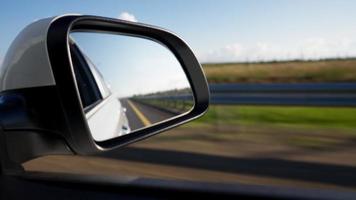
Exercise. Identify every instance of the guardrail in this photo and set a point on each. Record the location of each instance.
(306, 94)
(177, 104)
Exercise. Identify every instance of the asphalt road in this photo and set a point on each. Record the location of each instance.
(140, 115)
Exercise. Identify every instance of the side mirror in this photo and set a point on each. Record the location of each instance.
(127, 83)
(94, 84)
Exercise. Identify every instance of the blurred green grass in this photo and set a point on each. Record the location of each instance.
(337, 70)
(309, 117)
(309, 128)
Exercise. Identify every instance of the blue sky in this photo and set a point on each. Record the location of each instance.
(217, 31)
(131, 65)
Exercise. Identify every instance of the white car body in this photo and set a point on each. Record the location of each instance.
(26, 65)
(108, 118)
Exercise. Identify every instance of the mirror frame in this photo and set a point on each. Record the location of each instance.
(78, 134)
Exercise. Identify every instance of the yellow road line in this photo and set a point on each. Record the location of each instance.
(139, 114)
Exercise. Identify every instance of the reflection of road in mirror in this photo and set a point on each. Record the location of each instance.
(141, 115)
(146, 109)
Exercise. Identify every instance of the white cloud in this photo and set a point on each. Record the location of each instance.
(127, 16)
(311, 48)
(315, 48)
(1, 60)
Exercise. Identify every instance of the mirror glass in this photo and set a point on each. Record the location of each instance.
(127, 83)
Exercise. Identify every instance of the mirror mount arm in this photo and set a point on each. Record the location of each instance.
(7, 166)
(17, 147)
(30, 127)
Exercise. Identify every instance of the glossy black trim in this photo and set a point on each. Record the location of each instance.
(79, 136)
(92, 85)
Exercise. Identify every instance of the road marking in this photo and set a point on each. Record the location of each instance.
(139, 114)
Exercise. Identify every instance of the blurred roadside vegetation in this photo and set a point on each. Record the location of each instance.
(286, 116)
(329, 70)
(308, 128)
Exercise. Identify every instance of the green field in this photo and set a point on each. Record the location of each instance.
(303, 127)
(317, 117)
(338, 70)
